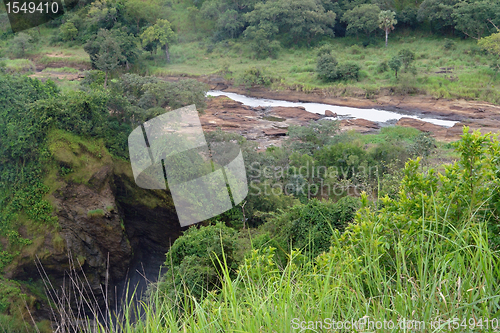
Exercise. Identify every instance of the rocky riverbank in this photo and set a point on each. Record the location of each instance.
(269, 125)
(255, 124)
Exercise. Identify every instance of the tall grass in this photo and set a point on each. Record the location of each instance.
(443, 279)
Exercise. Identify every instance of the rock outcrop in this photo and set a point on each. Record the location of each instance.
(113, 230)
(329, 113)
(359, 125)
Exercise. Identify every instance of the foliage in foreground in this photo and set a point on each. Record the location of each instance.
(420, 257)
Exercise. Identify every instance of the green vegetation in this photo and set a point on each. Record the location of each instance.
(361, 18)
(336, 225)
(232, 39)
(95, 213)
(387, 21)
(51, 138)
(409, 257)
(160, 34)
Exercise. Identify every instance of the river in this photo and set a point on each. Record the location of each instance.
(379, 116)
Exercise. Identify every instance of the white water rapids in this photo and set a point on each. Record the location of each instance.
(375, 115)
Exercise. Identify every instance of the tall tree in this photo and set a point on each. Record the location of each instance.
(362, 18)
(128, 45)
(473, 18)
(438, 12)
(296, 19)
(108, 57)
(386, 21)
(142, 10)
(230, 23)
(160, 33)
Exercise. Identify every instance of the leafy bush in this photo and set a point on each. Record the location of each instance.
(326, 68)
(409, 256)
(407, 57)
(383, 67)
(196, 258)
(325, 49)
(21, 44)
(254, 77)
(449, 44)
(348, 71)
(310, 226)
(307, 139)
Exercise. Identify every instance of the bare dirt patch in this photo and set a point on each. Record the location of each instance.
(59, 61)
(57, 75)
(57, 55)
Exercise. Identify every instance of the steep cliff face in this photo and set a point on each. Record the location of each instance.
(109, 227)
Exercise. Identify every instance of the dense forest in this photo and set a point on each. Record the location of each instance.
(407, 231)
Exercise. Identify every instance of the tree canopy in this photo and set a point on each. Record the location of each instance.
(160, 33)
(362, 19)
(473, 19)
(296, 19)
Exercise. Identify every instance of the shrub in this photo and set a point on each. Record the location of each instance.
(423, 145)
(193, 259)
(383, 67)
(68, 31)
(310, 226)
(326, 68)
(449, 44)
(395, 64)
(307, 139)
(348, 71)
(329, 70)
(356, 49)
(407, 57)
(21, 44)
(254, 77)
